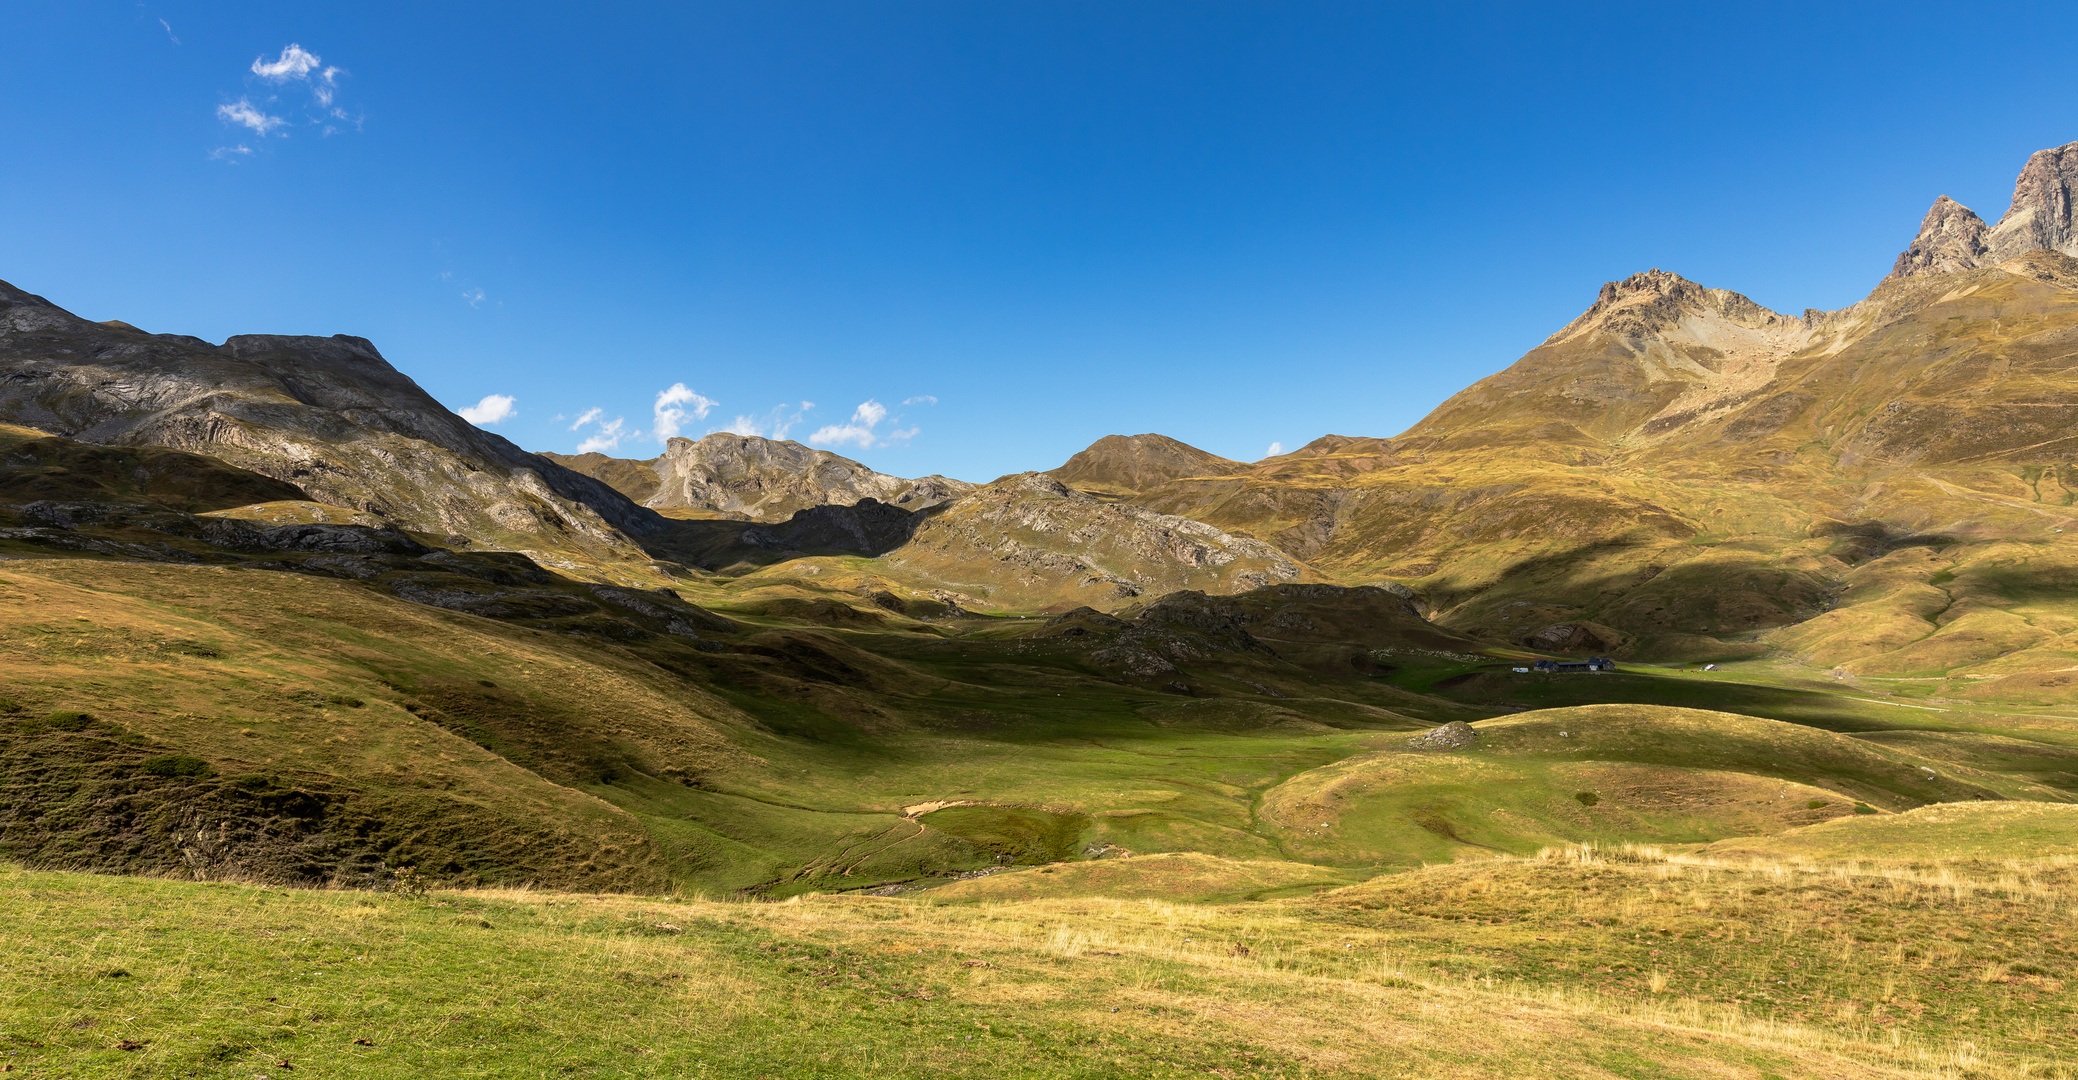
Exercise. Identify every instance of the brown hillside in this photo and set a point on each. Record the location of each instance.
(1119, 466)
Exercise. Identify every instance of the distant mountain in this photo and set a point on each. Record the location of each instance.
(755, 479)
(328, 415)
(1119, 466)
(1680, 472)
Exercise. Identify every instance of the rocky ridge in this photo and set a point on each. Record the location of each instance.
(328, 415)
(750, 478)
(1953, 238)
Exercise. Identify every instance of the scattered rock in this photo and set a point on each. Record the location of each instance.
(1456, 735)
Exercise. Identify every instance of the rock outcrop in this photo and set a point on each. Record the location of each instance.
(1456, 735)
(1953, 238)
(327, 415)
(749, 478)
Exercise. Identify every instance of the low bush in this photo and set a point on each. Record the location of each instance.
(1588, 798)
(175, 765)
(67, 720)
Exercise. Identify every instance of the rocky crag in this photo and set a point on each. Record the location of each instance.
(1953, 238)
(748, 478)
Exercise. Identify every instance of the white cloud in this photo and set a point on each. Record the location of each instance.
(586, 417)
(772, 425)
(294, 63)
(859, 430)
(474, 296)
(1275, 449)
(169, 31)
(920, 399)
(608, 437)
(299, 66)
(230, 153)
(674, 406)
(490, 410)
(243, 112)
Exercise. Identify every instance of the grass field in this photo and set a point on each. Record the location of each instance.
(1582, 963)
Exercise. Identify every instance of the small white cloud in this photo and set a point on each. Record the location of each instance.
(324, 86)
(859, 430)
(1275, 449)
(585, 417)
(608, 437)
(493, 408)
(169, 31)
(243, 112)
(772, 425)
(230, 153)
(474, 296)
(674, 406)
(294, 63)
(920, 399)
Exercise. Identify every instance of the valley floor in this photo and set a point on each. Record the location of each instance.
(1580, 962)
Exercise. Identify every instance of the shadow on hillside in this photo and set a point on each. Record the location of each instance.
(869, 528)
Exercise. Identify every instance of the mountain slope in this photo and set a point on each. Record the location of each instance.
(1118, 466)
(1680, 472)
(328, 415)
(1031, 542)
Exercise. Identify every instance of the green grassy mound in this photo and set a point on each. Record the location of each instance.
(1698, 738)
(1990, 832)
(1595, 773)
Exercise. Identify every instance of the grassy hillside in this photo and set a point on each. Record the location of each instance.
(1582, 964)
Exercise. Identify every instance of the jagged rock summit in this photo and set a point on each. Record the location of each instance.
(1953, 238)
(751, 478)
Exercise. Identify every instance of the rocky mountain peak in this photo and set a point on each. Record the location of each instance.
(1652, 302)
(2040, 217)
(1953, 238)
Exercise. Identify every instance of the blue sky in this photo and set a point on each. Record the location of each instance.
(977, 236)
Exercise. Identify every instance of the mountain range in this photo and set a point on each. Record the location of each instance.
(218, 549)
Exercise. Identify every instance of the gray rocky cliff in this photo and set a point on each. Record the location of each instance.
(2040, 217)
(1952, 238)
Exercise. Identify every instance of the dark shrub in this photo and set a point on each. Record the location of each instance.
(1588, 798)
(71, 721)
(175, 765)
(1864, 808)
